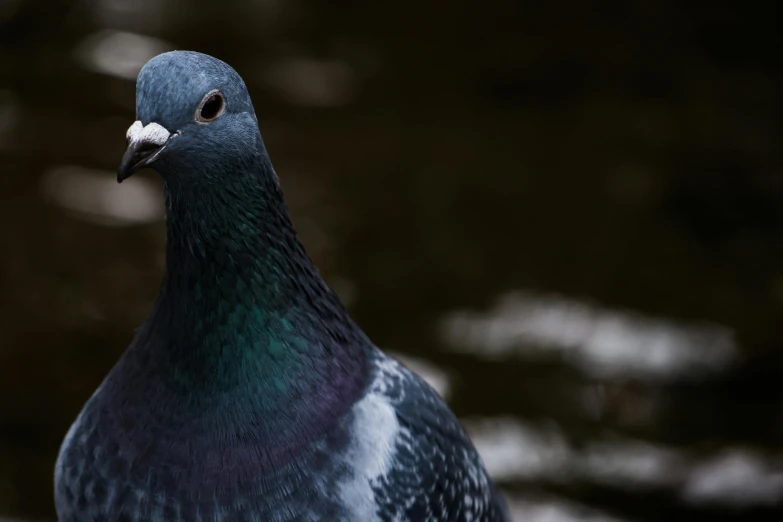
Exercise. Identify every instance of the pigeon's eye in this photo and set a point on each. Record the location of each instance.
(211, 107)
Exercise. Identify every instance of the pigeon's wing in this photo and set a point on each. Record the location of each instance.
(436, 475)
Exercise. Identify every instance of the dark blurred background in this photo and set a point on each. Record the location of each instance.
(568, 216)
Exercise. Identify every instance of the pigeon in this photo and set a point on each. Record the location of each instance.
(249, 394)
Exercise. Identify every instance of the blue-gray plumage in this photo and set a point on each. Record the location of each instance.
(249, 394)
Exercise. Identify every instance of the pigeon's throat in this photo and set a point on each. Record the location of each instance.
(235, 244)
(242, 304)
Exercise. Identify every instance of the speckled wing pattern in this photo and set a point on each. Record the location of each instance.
(436, 475)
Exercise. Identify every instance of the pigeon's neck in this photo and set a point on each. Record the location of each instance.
(244, 325)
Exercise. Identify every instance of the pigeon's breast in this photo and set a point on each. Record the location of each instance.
(397, 454)
(102, 475)
(114, 465)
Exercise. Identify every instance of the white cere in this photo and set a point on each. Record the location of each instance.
(152, 133)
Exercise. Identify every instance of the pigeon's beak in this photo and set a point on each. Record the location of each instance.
(145, 143)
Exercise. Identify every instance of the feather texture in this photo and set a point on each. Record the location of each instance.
(249, 394)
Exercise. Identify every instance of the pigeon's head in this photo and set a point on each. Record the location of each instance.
(193, 112)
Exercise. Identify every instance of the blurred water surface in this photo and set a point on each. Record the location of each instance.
(567, 218)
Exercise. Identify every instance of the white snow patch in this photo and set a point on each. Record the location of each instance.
(95, 196)
(602, 342)
(118, 53)
(736, 477)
